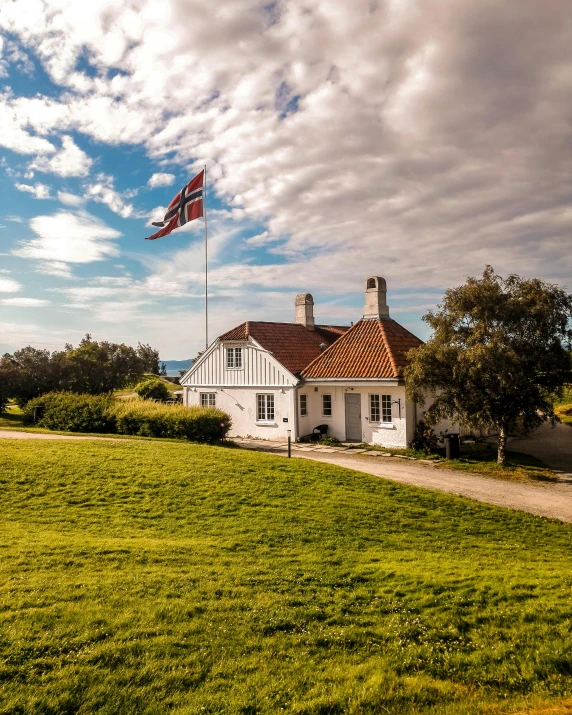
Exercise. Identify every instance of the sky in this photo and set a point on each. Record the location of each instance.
(411, 140)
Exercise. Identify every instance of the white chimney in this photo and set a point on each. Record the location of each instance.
(304, 310)
(375, 292)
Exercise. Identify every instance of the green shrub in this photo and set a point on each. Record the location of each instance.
(153, 389)
(149, 419)
(424, 439)
(69, 412)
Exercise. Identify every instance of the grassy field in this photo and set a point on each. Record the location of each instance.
(154, 577)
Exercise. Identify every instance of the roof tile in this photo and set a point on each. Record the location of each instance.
(291, 344)
(369, 349)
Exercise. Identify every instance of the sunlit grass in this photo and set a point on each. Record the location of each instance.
(564, 406)
(151, 577)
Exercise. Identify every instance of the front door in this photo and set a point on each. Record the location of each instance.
(353, 417)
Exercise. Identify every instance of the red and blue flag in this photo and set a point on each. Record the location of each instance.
(186, 206)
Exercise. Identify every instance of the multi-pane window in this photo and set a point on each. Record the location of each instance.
(386, 408)
(303, 405)
(233, 358)
(265, 408)
(327, 405)
(208, 399)
(374, 408)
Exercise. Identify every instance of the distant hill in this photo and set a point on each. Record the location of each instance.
(173, 366)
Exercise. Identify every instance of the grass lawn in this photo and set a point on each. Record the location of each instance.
(154, 577)
(564, 406)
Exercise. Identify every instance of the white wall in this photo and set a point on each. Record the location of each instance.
(240, 403)
(394, 435)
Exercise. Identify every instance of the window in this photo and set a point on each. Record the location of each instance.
(327, 405)
(386, 408)
(208, 399)
(233, 358)
(265, 408)
(303, 405)
(374, 408)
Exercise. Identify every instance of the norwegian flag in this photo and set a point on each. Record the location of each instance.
(186, 206)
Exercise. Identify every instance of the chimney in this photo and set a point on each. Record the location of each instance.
(375, 305)
(304, 310)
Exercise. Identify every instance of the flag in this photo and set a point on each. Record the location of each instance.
(186, 206)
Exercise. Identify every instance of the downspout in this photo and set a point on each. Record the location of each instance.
(294, 411)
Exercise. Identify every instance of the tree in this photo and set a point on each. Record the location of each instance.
(497, 356)
(91, 367)
(97, 368)
(150, 359)
(26, 374)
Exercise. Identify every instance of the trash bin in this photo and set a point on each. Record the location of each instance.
(452, 447)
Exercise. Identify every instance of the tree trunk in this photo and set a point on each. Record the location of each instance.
(501, 454)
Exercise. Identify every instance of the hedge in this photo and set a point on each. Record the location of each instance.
(150, 419)
(70, 412)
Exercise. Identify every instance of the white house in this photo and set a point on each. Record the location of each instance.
(276, 377)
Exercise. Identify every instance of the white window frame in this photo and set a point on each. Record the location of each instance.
(303, 405)
(374, 411)
(324, 413)
(232, 363)
(268, 412)
(208, 399)
(386, 409)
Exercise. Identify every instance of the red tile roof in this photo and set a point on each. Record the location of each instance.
(369, 349)
(290, 343)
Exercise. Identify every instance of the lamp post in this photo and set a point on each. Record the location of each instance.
(289, 443)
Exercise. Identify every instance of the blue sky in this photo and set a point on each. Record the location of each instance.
(342, 140)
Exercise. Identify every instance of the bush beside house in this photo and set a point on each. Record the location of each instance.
(153, 389)
(69, 412)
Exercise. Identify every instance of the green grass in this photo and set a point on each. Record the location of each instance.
(154, 577)
(564, 406)
(480, 458)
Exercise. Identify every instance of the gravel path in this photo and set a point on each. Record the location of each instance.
(12, 434)
(553, 500)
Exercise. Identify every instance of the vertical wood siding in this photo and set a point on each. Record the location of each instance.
(258, 368)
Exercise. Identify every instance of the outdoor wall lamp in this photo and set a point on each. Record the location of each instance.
(397, 402)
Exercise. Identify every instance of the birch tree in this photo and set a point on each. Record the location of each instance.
(498, 355)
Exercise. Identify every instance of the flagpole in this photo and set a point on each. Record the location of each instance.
(206, 263)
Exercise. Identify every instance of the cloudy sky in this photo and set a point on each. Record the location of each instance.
(417, 141)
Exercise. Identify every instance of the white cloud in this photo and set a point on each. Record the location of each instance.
(7, 285)
(104, 192)
(54, 268)
(70, 161)
(69, 238)
(161, 180)
(437, 143)
(25, 302)
(40, 191)
(70, 199)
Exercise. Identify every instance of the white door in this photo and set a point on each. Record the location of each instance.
(353, 417)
